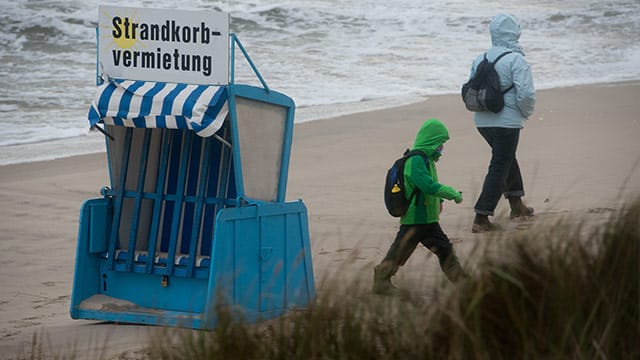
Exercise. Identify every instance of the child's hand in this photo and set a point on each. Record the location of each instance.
(458, 199)
(450, 193)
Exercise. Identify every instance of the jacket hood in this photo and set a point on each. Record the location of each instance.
(505, 31)
(431, 135)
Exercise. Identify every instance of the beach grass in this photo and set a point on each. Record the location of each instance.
(570, 291)
(566, 291)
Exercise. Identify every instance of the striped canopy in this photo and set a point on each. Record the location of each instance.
(144, 104)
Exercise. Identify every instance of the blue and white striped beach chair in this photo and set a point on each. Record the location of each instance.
(195, 215)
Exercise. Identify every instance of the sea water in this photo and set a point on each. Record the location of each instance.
(332, 57)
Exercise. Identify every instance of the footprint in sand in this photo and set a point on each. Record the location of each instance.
(523, 225)
(600, 210)
(20, 324)
(50, 301)
(324, 252)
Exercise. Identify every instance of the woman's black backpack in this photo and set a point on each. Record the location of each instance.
(482, 92)
(395, 198)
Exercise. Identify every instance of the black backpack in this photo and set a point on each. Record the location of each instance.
(395, 199)
(482, 92)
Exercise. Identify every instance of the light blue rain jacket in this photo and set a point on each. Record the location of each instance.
(519, 102)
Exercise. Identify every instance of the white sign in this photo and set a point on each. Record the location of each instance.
(164, 45)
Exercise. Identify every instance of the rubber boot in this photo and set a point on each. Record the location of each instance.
(382, 278)
(518, 208)
(453, 269)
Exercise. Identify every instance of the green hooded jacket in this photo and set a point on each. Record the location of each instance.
(425, 207)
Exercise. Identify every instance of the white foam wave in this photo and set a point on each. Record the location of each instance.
(333, 57)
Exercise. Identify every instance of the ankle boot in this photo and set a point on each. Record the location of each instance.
(481, 223)
(518, 208)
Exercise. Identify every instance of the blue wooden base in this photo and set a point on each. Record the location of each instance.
(260, 266)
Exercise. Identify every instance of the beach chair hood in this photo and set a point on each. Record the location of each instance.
(145, 104)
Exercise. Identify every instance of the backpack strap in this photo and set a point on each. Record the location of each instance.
(494, 63)
(499, 57)
(507, 89)
(409, 153)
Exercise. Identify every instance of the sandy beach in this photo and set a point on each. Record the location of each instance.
(579, 154)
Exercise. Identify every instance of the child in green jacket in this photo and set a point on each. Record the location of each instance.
(420, 223)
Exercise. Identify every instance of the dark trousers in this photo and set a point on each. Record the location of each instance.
(503, 176)
(408, 237)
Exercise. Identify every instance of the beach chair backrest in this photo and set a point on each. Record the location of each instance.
(167, 186)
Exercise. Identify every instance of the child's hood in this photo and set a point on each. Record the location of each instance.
(431, 135)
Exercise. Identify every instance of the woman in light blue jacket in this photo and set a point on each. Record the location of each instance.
(502, 130)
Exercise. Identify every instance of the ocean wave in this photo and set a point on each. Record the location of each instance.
(330, 56)
(23, 136)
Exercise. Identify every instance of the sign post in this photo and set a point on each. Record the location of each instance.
(177, 46)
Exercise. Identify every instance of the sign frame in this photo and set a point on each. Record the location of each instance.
(166, 45)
